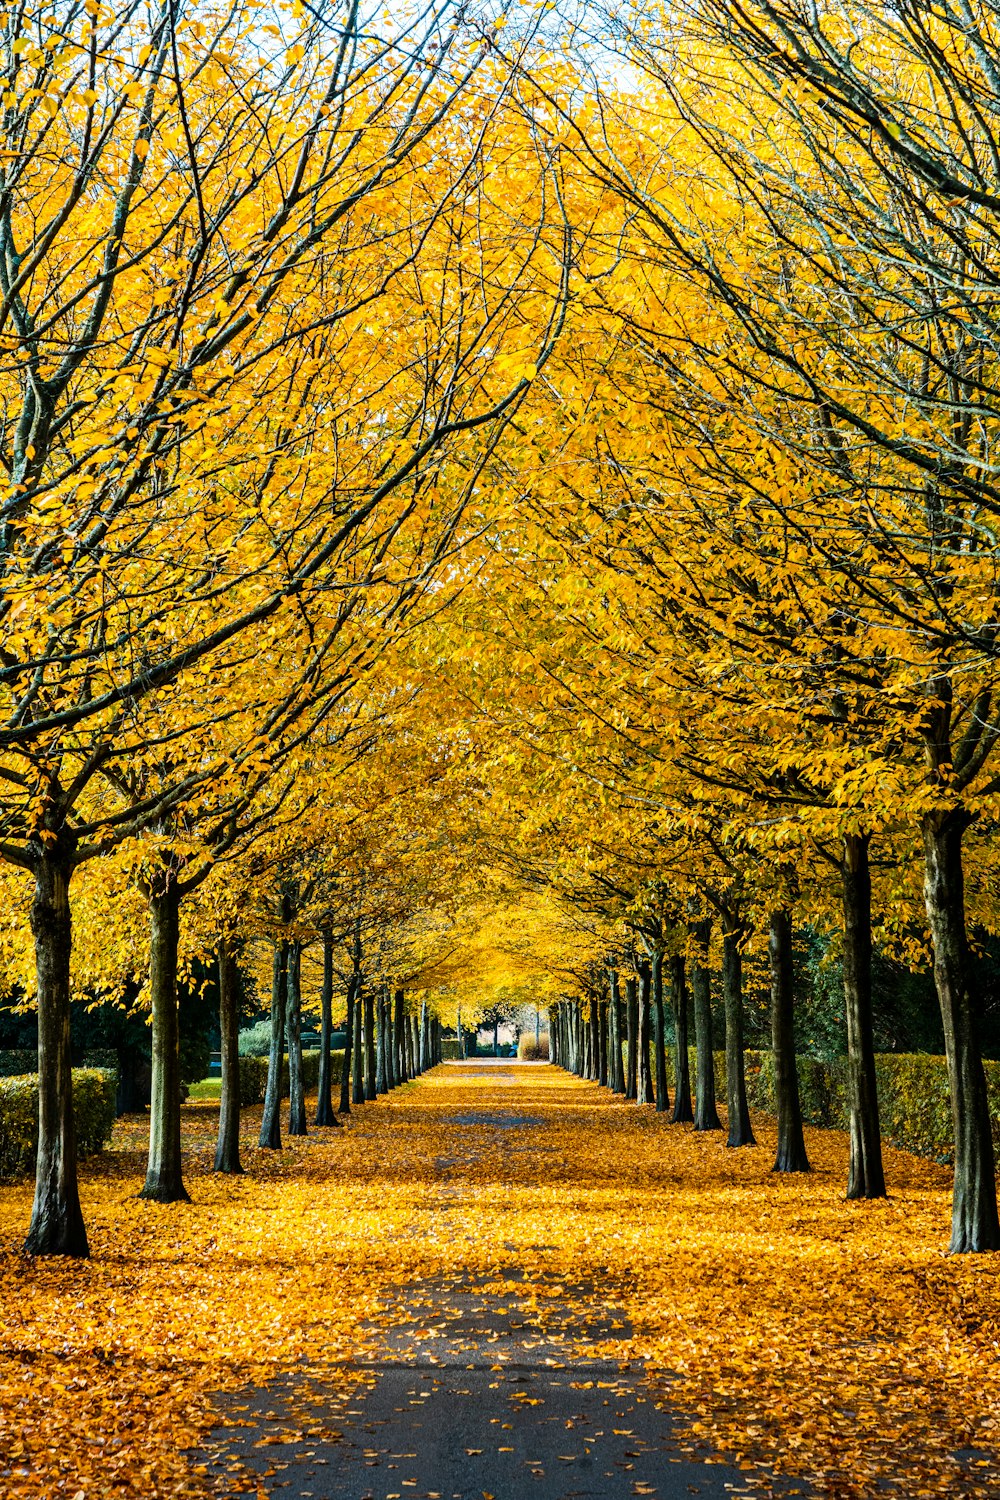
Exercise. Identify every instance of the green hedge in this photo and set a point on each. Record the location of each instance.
(253, 1075)
(914, 1100)
(93, 1111)
(16, 1062)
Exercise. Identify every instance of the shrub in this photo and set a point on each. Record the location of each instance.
(255, 1041)
(15, 1062)
(93, 1111)
(528, 1050)
(253, 1075)
(253, 1078)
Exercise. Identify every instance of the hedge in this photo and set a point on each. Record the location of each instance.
(253, 1075)
(93, 1112)
(913, 1096)
(16, 1062)
(528, 1050)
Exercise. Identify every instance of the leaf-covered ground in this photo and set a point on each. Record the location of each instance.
(801, 1334)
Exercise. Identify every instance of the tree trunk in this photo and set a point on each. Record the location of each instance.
(415, 1046)
(358, 1080)
(706, 1115)
(740, 1129)
(644, 1076)
(791, 1156)
(270, 1125)
(602, 1043)
(402, 1073)
(227, 1149)
(348, 1063)
(659, 1035)
(682, 1066)
(164, 1182)
(974, 1223)
(57, 1226)
(371, 1044)
(293, 1025)
(425, 1036)
(324, 1091)
(865, 1175)
(631, 1037)
(617, 1071)
(381, 1033)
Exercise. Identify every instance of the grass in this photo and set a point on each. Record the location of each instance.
(208, 1088)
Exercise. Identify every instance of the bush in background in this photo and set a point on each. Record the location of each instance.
(16, 1062)
(93, 1110)
(255, 1041)
(528, 1050)
(253, 1074)
(913, 1096)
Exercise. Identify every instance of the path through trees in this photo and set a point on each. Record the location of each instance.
(491, 1215)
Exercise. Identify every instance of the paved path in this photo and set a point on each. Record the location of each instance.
(471, 1395)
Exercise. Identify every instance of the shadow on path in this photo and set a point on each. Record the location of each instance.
(476, 1394)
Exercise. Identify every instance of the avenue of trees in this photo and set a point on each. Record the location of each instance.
(472, 457)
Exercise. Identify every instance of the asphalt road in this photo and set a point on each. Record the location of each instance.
(470, 1397)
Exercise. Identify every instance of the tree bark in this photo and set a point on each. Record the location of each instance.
(425, 1036)
(631, 1037)
(324, 1091)
(381, 1033)
(682, 1113)
(164, 1181)
(57, 1226)
(659, 1034)
(415, 1046)
(293, 1026)
(345, 1074)
(270, 1125)
(740, 1129)
(974, 1222)
(644, 1075)
(358, 1081)
(706, 1115)
(594, 1020)
(371, 1091)
(791, 1155)
(865, 1174)
(602, 1042)
(400, 1038)
(617, 1071)
(227, 1149)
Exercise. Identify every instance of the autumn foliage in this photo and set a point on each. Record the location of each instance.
(498, 524)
